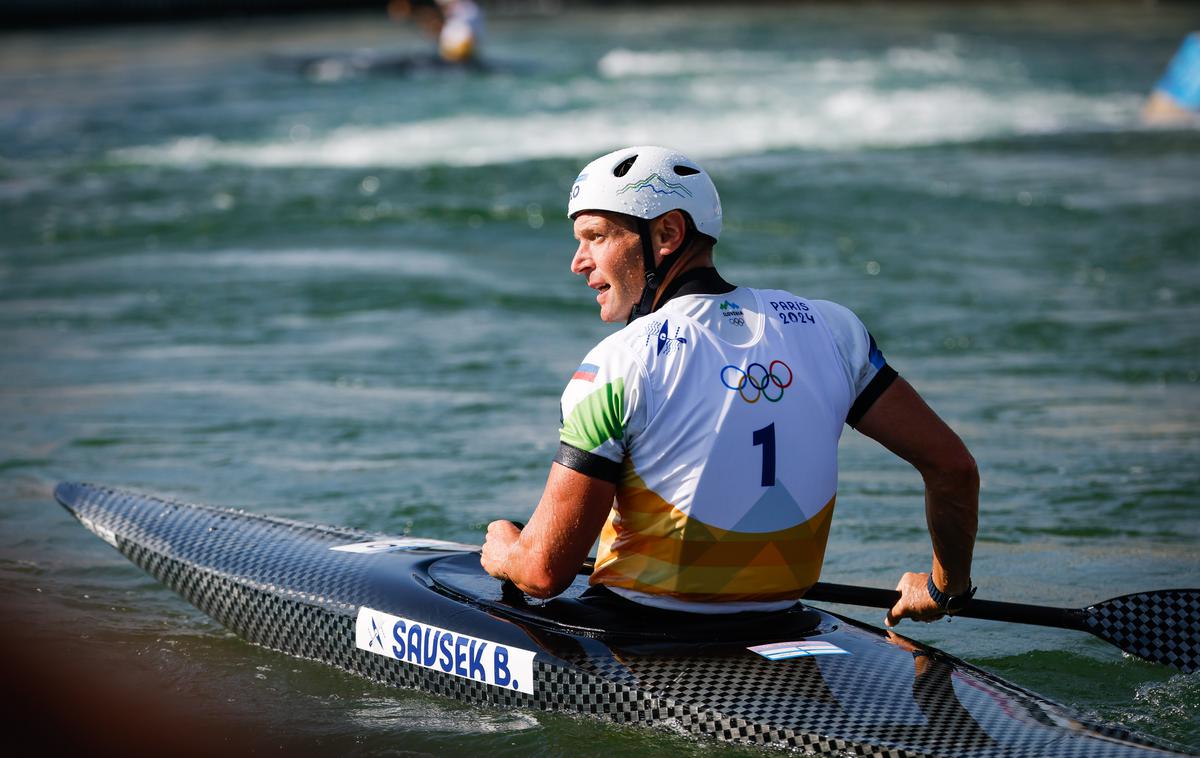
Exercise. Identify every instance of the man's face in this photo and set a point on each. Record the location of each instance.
(610, 256)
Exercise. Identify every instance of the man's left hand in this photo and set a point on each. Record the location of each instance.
(501, 536)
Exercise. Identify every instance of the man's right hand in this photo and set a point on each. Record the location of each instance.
(902, 422)
(915, 602)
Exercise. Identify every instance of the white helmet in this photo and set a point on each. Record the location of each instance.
(646, 182)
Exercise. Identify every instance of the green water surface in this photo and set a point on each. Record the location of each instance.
(345, 298)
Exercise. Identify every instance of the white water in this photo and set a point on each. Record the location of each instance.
(749, 102)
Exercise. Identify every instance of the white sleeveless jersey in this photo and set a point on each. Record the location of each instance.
(718, 417)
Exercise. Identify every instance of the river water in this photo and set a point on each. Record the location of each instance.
(345, 298)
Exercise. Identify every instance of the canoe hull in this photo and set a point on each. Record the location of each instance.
(420, 614)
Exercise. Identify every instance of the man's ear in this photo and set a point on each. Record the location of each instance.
(668, 233)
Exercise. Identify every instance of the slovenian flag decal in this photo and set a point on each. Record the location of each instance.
(778, 651)
(586, 372)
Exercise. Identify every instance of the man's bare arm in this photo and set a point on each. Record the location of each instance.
(543, 559)
(902, 422)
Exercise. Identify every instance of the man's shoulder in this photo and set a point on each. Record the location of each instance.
(624, 337)
(768, 295)
(774, 299)
(827, 308)
(832, 310)
(837, 317)
(621, 345)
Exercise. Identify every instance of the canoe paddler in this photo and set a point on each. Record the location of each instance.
(699, 442)
(456, 24)
(1175, 99)
(461, 32)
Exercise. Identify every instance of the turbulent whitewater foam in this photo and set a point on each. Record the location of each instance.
(844, 119)
(268, 263)
(622, 63)
(386, 713)
(713, 103)
(944, 59)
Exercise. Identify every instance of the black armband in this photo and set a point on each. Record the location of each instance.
(883, 379)
(588, 464)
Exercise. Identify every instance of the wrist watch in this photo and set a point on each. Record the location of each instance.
(951, 604)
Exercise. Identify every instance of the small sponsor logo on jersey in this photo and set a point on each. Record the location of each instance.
(793, 312)
(733, 313)
(664, 341)
(758, 381)
(586, 372)
(657, 185)
(778, 651)
(444, 650)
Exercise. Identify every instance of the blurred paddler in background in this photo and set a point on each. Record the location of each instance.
(456, 24)
(1176, 96)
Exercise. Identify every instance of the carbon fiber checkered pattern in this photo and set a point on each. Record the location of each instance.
(276, 583)
(1144, 625)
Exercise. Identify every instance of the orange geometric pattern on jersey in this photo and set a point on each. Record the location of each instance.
(648, 545)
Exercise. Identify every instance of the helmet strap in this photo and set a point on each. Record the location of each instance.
(655, 275)
(645, 303)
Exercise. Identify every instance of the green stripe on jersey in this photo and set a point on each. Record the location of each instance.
(597, 418)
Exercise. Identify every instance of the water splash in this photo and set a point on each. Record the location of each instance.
(851, 118)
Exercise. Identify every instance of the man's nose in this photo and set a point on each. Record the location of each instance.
(580, 263)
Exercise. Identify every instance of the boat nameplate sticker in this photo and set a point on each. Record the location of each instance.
(778, 651)
(402, 543)
(438, 649)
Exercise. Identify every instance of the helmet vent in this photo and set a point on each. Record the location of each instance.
(623, 167)
(686, 170)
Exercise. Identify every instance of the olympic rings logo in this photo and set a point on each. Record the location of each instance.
(762, 381)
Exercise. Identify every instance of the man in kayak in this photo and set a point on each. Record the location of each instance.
(700, 441)
(1175, 100)
(456, 24)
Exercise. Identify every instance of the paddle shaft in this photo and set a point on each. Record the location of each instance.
(1160, 625)
(992, 610)
(1038, 615)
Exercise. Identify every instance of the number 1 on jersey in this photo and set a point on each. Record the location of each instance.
(766, 438)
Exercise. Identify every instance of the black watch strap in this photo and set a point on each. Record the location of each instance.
(949, 603)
